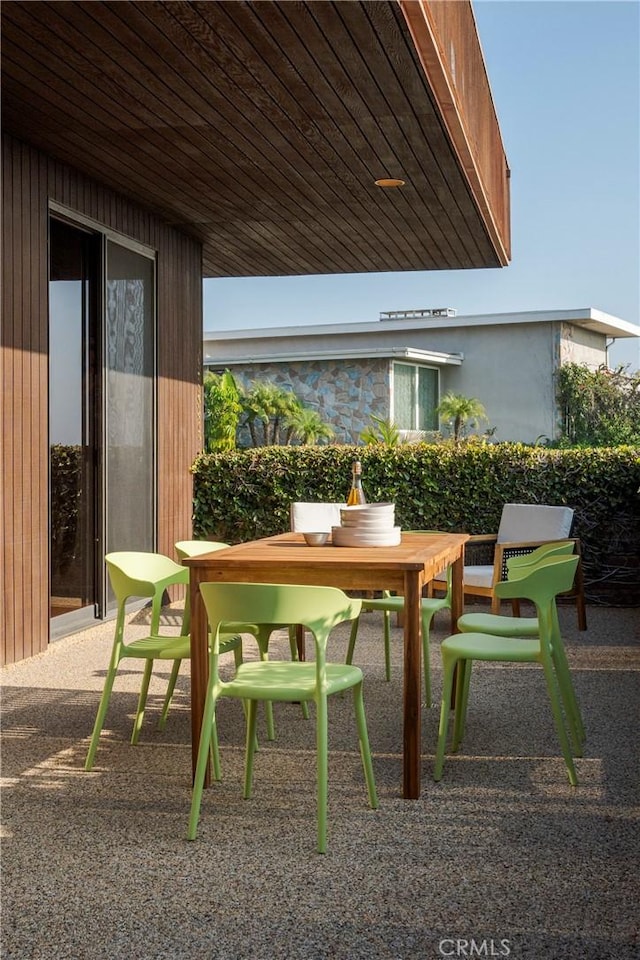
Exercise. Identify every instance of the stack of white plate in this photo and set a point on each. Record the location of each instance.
(369, 525)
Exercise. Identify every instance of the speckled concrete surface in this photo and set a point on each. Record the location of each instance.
(502, 858)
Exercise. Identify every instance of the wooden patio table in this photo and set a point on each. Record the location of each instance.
(286, 558)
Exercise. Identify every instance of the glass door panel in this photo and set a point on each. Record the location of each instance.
(72, 422)
(129, 400)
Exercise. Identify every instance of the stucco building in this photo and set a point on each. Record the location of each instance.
(398, 367)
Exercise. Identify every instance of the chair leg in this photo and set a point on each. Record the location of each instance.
(204, 752)
(142, 700)
(568, 694)
(387, 642)
(579, 592)
(214, 750)
(463, 678)
(365, 750)
(322, 760)
(101, 714)
(250, 747)
(263, 643)
(162, 722)
(295, 658)
(156, 610)
(556, 709)
(352, 640)
(387, 645)
(427, 617)
(447, 688)
(567, 689)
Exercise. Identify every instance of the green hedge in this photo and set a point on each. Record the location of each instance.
(245, 494)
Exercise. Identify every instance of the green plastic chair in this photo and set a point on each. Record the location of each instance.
(319, 610)
(139, 574)
(389, 604)
(517, 567)
(196, 548)
(229, 643)
(552, 576)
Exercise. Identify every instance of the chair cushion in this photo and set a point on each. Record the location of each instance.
(315, 517)
(533, 522)
(478, 576)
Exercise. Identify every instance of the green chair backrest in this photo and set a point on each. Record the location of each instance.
(195, 548)
(318, 609)
(551, 576)
(522, 565)
(141, 574)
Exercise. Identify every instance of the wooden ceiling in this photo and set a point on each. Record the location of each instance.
(258, 127)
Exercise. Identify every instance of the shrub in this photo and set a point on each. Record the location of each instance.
(243, 495)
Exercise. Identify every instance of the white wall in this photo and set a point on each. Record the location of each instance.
(508, 367)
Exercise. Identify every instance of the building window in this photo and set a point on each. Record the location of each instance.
(415, 396)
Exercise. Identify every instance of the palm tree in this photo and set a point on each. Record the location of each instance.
(380, 431)
(286, 404)
(272, 406)
(307, 425)
(259, 407)
(456, 409)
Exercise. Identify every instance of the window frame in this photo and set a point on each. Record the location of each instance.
(416, 367)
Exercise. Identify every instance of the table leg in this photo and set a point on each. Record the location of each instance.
(457, 609)
(412, 679)
(457, 594)
(199, 668)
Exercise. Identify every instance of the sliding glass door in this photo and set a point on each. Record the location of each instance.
(101, 414)
(73, 420)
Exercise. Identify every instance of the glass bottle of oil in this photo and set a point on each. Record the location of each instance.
(356, 493)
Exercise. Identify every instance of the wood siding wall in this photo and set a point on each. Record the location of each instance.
(30, 180)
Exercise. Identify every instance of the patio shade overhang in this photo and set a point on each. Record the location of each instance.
(259, 128)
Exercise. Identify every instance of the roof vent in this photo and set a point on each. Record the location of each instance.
(418, 314)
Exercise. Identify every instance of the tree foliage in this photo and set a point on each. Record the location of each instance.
(599, 408)
(382, 431)
(272, 415)
(222, 409)
(459, 411)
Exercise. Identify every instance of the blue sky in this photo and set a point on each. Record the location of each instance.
(565, 76)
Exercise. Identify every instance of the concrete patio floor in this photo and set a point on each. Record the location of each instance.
(502, 858)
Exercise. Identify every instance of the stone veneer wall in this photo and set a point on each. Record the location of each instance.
(344, 392)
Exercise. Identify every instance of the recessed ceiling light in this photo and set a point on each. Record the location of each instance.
(388, 182)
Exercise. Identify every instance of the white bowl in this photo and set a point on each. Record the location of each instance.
(316, 539)
(350, 537)
(367, 511)
(368, 520)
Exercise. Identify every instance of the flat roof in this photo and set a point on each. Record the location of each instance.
(587, 317)
(414, 354)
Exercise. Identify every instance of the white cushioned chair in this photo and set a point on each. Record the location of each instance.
(523, 527)
(307, 517)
